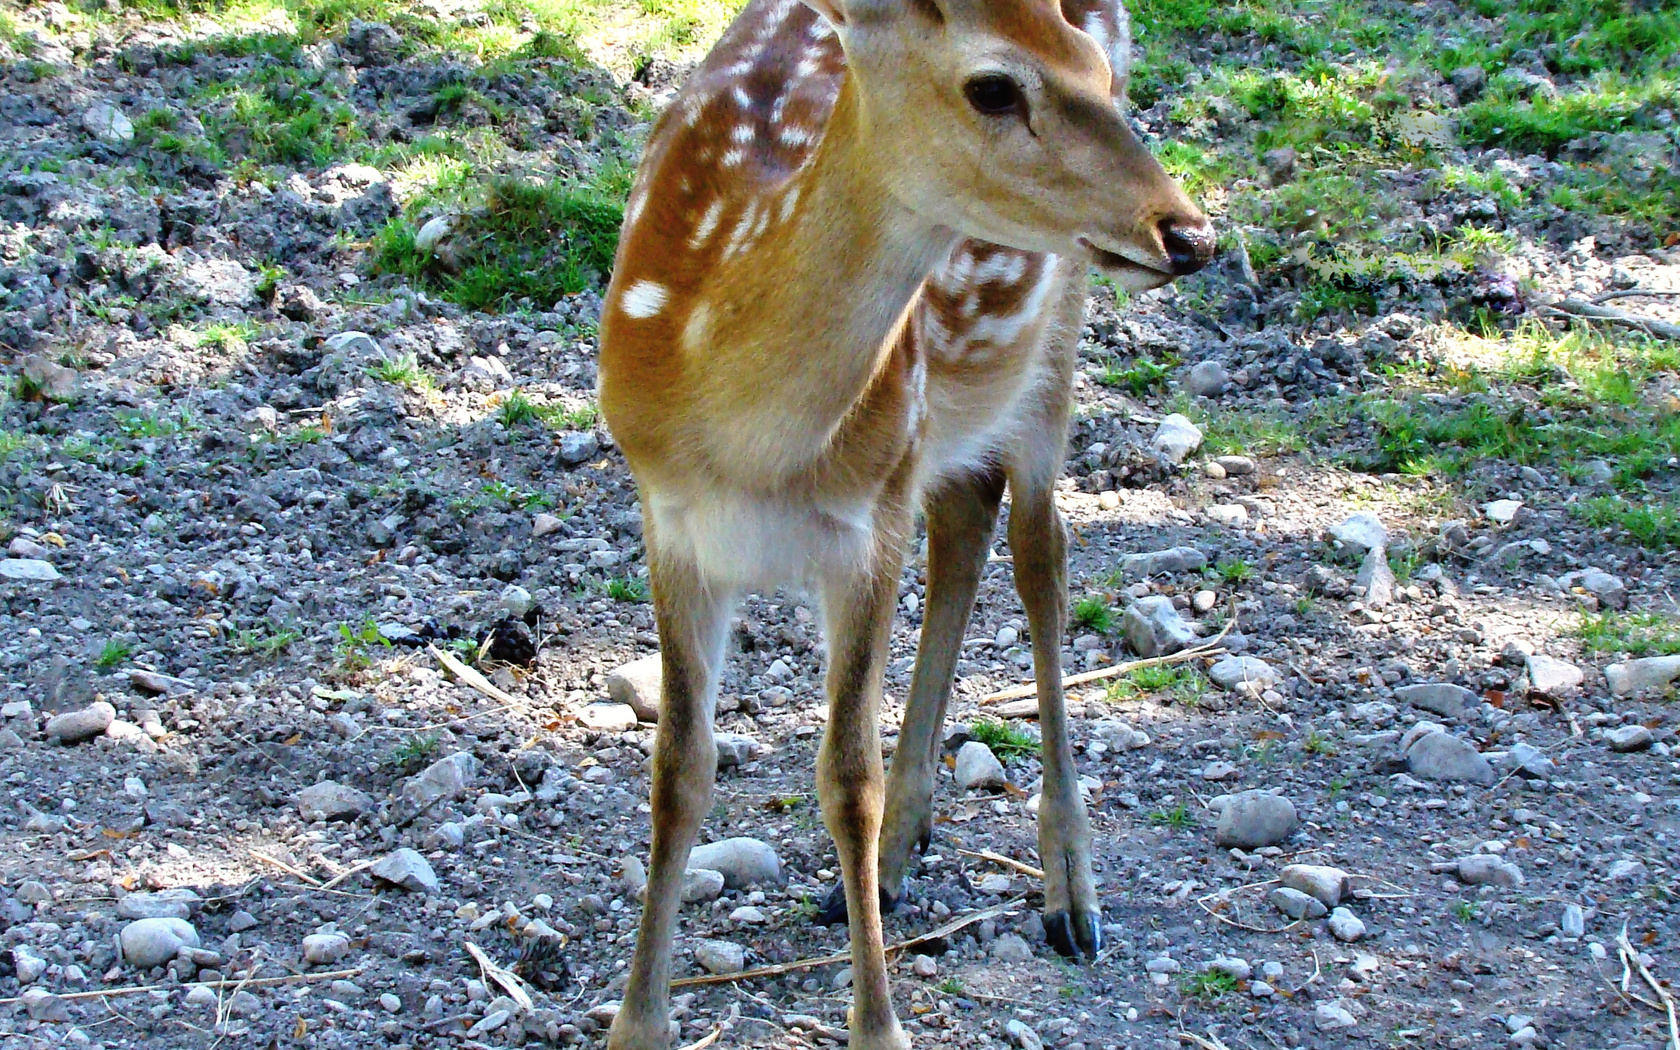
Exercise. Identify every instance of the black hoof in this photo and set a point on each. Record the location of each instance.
(1073, 936)
(833, 910)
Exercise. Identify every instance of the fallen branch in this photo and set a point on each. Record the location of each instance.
(470, 676)
(1634, 293)
(1207, 648)
(712, 1037)
(260, 982)
(314, 883)
(1201, 903)
(498, 974)
(359, 866)
(998, 858)
(846, 956)
(1630, 955)
(1611, 315)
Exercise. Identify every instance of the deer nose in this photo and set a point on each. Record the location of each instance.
(1189, 244)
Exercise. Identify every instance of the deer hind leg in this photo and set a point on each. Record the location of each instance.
(692, 622)
(858, 606)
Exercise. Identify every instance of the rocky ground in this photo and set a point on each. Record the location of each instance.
(287, 436)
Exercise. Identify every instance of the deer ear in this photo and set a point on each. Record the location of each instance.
(829, 9)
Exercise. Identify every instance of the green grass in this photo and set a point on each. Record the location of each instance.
(1207, 984)
(142, 424)
(627, 590)
(1635, 634)
(1465, 911)
(1178, 681)
(1094, 613)
(1179, 818)
(404, 371)
(1141, 376)
(1654, 524)
(1004, 739)
(113, 653)
(416, 751)
(356, 645)
(562, 418)
(1233, 570)
(951, 986)
(264, 642)
(517, 409)
(1317, 743)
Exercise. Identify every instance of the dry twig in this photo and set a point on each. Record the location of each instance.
(998, 858)
(498, 974)
(1631, 956)
(313, 882)
(259, 982)
(1610, 315)
(1207, 648)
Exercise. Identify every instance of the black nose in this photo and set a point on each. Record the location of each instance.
(1189, 244)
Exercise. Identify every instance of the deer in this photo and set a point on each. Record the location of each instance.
(849, 288)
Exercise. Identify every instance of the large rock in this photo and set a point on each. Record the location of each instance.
(1169, 562)
(72, 727)
(1636, 676)
(166, 904)
(32, 570)
(742, 861)
(1550, 676)
(608, 718)
(1628, 739)
(324, 949)
(1243, 673)
(1486, 869)
(1442, 756)
(1176, 438)
(1377, 579)
(1154, 628)
(1252, 819)
(1609, 590)
(701, 885)
(1360, 533)
(408, 869)
(720, 956)
(330, 800)
(1345, 926)
(152, 942)
(1297, 905)
(444, 779)
(637, 684)
(977, 767)
(108, 124)
(1443, 698)
(734, 749)
(1319, 881)
(1207, 379)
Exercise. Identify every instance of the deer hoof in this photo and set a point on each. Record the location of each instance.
(1076, 935)
(833, 910)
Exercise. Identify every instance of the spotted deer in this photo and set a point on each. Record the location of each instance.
(850, 286)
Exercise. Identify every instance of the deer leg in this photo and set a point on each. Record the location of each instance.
(858, 607)
(692, 622)
(1072, 916)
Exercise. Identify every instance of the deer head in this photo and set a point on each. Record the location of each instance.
(1004, 120)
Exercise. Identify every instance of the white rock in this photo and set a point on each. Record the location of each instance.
(1236, 969)
(977, 767)
(353, 343)
(1176, 438)
(747, 915)
(742, 861)
(637, 685)
(1345, 926)
(108, 124)
(42, 1005)
(444, 779)
(515, 601)
(1246, 673)
(432, 232)
(1207, 379)
(1636, 676)
(608, 718)
(1551, 677)
(1574, 922)
(720, 956)
(1295, 904)
(1168, 562)
(167, 904)
(152, 942)
(924, 966)
(1502, 511)
(33, 570)
(1231, 515)
(1153, 627)
(1361, 533)
(390, 1003)
(1252, 819)
(701, 885)
(1442, 756)
(1332, 1016)
(544, 524)
(734, 749)
(1630, 738)
(1486, 869)
(324, 949)
(1022, 1035)
(28, 965)
(1320, 881)
(1377, 579)
(73, 727)
(408, 869)
(1608, 589)
(1442, 698)
(329, 800)
(1011, 949)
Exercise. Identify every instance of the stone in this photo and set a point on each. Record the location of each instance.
(701, 885)
(152, 683)
(42, 1005)
(1176, 438)
(1442, 698)
(978, 768)
(1610, 591)
(34, 892)
(1011, 949)
(73, 727)
(1626, 870)
(408, 869)
(390, 1003)
(152, 942)
(165, 904)
(747, 915)
(57, 383)
(329, 800)
(545, 524)
(734, 749)
(353, 344)
(108, 124)
(1237, 466)
(1487, 869)
(1637, 676)
(1528, 761)
(1377, 579)
(720, 957)
(1360, 533)
(324, 949)
(1172, 561)
(444, 779)
(1345, 926)
(515, 602)
(1207, 379)
(1574, 921)
(608, 718)
(1469, 81)
(27, 965)
(578, 447)
(1442, 756)
(1297, 905)
(240, 921)
(1252, 819)
(32, 570)
(742, 861)
(1502, 511)
(1243, 673)
(1329, 1017)
(1153, 627)
(924, 966)
(1236, 969)
(1279, 164)
(1319, 881)
(1231, 515)
(1550, 676)
(1628, 739)
(433, 232)
(637, 685)
(1022, 1035)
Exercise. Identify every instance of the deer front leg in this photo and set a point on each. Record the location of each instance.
(1072, 916)
(858, 606)
(692, 621)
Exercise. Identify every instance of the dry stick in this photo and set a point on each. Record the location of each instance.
(1244, 925)
(1210, 1043)
(1208, 648)
(314, 883)
(1595, 312)
(260, 982)
(499, 974)
(471, 677)
(716, 1034)
(998, 858)
(1634, 293)
(1628, 953)
(846, 956)
(353, 869)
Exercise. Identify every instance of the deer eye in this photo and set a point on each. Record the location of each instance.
(995, 95)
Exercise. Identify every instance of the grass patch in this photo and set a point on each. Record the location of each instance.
(404, 371)
(1094, 613)
(624, 589)
(113, 653)
(1004, 739)
(1177, 681)
(1635, 634)
(1654, 525)
(1207, 984)
(1179, 818)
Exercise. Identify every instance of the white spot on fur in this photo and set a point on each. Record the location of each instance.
(708, 225)
(733, 158)
(743, 98)
(789, 202)
(643, 299)
(743, 133)
(795, 135)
